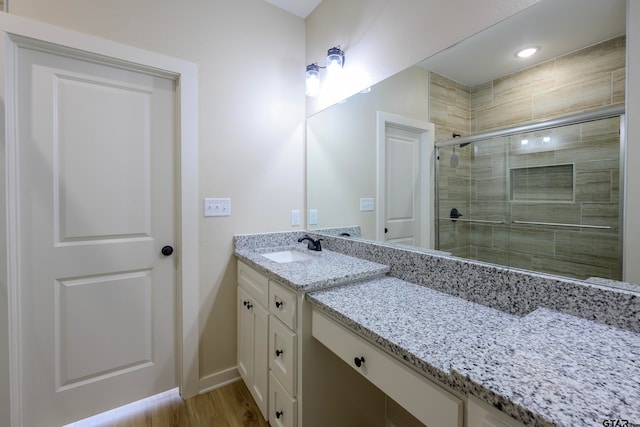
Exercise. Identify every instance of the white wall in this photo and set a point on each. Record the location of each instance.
(251, 113)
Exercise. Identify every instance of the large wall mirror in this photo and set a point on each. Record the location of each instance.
(545, 200)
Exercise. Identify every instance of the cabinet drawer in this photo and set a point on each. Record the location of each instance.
(283, 354)
(254, 283)
(424, 399)
(282, 303)
(283, 409)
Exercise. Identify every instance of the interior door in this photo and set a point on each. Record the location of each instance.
(403, 186)
(96, 199)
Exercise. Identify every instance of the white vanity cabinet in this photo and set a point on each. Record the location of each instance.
(267, 345)
(252, 334)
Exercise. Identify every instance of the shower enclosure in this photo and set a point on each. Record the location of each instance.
(545, 197)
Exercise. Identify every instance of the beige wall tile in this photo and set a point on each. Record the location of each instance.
(589, 248)
(491, 189)
(442, 89)
(619, 82)
(591, 63)
(481, 96)
(562, 213)
(504, 115)
(593, 186)
(605, 214)
(524, 84)
(572, 98)
(526, 239)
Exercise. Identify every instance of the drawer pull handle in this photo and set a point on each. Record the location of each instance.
(279, 304)
(248, 305)
(358, 361)
(279, 414)
(279, 352)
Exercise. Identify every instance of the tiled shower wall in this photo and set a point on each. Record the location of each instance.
(480, 186)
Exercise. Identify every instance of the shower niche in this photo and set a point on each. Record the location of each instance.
(539, 184)
(546, 200)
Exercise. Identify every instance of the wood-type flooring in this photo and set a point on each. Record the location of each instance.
(228, 406)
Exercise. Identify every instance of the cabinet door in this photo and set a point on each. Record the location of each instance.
(252, 347)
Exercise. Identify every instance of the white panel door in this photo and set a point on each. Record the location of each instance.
(96, 200)
(403, 185)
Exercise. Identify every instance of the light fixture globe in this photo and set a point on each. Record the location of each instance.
(335, 58)
(312, 82)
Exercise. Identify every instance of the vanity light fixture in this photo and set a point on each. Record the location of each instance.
(312, 85)
(335, 63)
(525, 53)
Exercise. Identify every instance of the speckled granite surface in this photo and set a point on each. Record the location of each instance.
(325, 269)
(511, 290)
(545, 369)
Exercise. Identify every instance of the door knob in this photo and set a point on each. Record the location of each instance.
(167, 250)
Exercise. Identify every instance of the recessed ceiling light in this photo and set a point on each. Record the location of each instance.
(525, 53)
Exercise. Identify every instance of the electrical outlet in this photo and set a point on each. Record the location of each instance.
(313, 217)
(367, 204)
(217, 207)
(295, 217)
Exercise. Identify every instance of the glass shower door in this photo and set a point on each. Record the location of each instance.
(547, 201)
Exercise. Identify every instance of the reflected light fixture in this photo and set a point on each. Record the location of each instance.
(335, 63)
(312, 86)
(525, 53)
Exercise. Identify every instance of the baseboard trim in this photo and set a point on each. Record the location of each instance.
(219, 379)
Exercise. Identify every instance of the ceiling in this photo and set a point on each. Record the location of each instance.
(556, 27)
(301, 8)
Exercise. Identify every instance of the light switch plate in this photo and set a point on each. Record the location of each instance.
(313, 217)
(295, 217)
(217, 207)
(367, 204)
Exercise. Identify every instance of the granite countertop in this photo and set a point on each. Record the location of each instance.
(544, 369)
(325, 269)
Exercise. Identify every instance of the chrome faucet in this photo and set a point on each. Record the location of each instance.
(314, 245)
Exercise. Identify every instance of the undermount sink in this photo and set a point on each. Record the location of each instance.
(289, 255)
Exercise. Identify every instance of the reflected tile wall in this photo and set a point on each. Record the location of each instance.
(480, 188)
